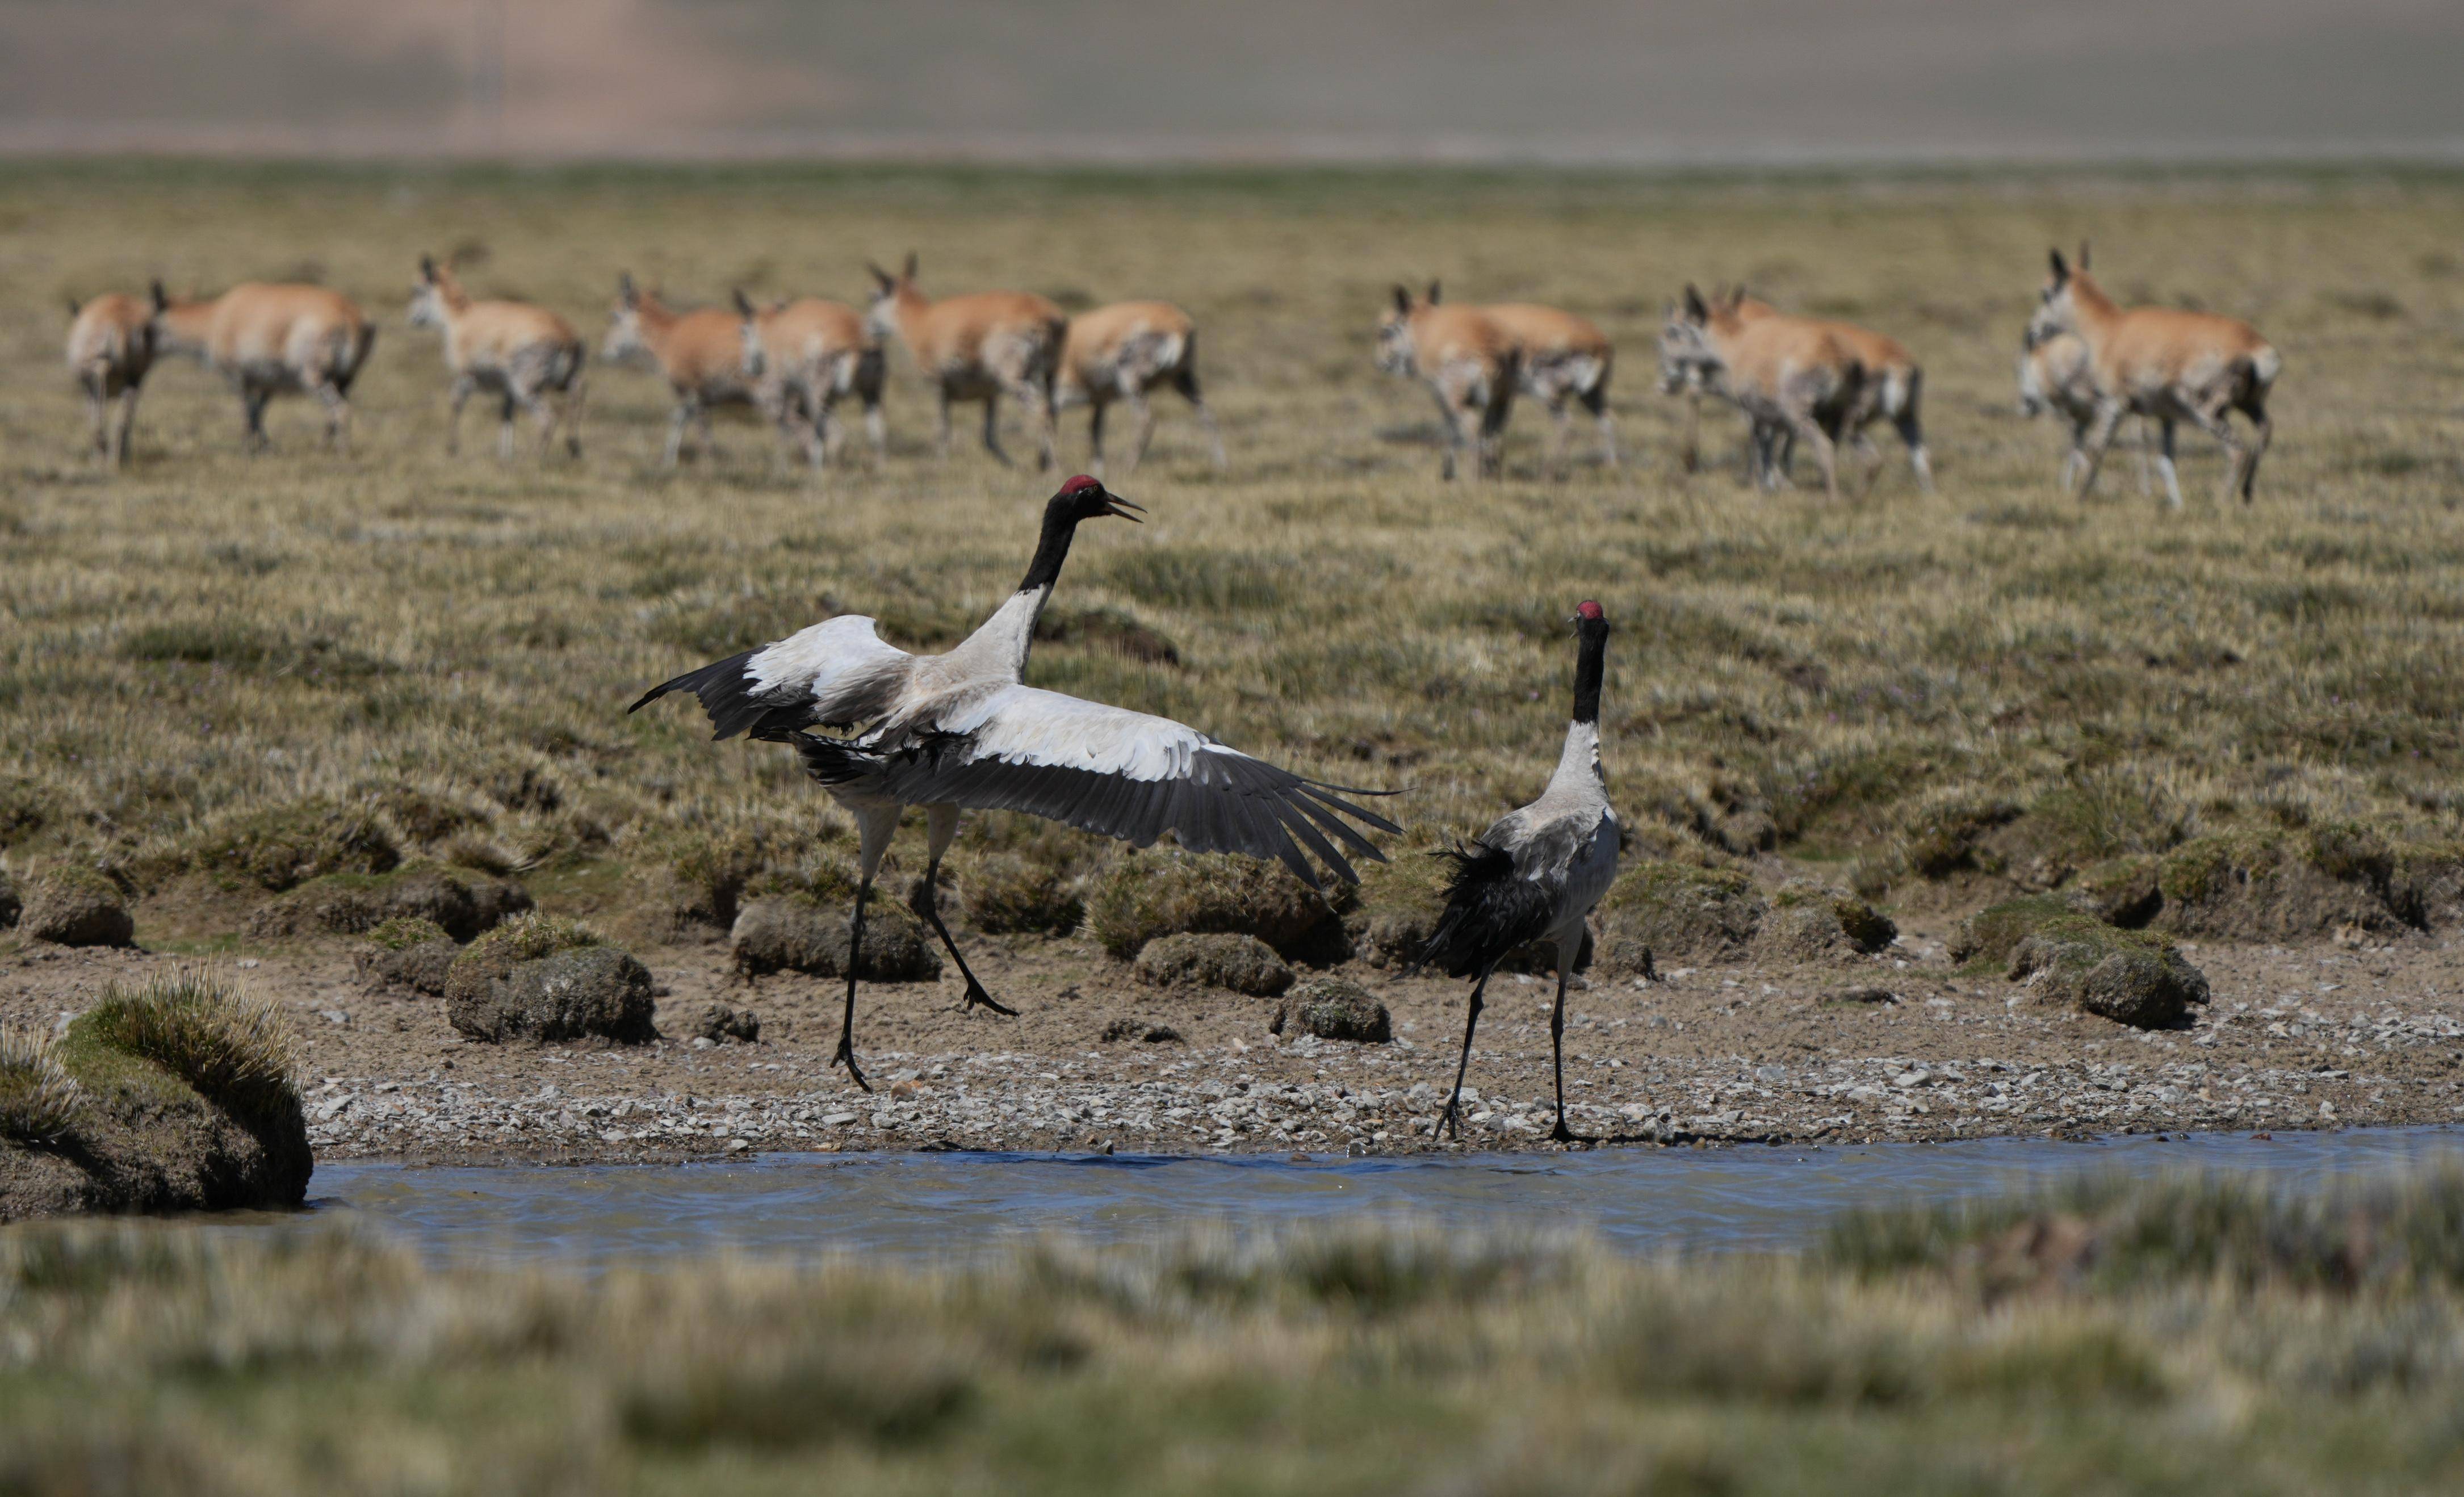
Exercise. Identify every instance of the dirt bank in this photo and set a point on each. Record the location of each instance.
(2293, 1038)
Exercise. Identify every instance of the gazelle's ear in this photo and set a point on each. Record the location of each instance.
(1696, 309)
(880, 277)
(907, 270)
(625, 290)
(162, 297)
(2061, 271)
(74, 305)
(744, 304)
(2082, 254)
(1736, 297)
(428, 269)
(1437, 293)
(1402, 299)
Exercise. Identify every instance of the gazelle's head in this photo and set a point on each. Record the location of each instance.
(2032, 385)
(881, 313)
(625, 340)
(2057, 305)
(1396, 353)
(1688, 364)
(430, 296)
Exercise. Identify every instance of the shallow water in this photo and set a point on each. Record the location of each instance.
(942, 1206)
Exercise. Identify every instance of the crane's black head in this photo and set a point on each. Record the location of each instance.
(1087, 498)
(1081, 498)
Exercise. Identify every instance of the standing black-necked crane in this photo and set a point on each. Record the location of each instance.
(958, 731)
(1537, 873)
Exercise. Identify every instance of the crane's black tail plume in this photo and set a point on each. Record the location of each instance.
(827, 761)
(1489, 911)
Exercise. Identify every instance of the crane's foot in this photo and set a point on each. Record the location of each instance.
(1445, 1121)
(977, 997)
(846, 1056)
(1561, 1134)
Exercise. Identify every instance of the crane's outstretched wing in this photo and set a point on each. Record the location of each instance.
(834, 674)
(1107, 769)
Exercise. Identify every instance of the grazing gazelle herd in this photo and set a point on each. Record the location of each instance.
(1798, 380)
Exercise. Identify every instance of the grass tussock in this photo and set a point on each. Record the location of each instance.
(2181, 1336)
(38, 1098)
(232, 1045)
(221, 662)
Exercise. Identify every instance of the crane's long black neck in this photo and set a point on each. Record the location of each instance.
(1059, 527)
(1590, 666)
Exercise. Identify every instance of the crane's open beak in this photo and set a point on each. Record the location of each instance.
(1114, 504)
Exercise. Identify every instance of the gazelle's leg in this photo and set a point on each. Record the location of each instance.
(877, 429)
(2099, 436)
(992, 427)
(1186, 382)
(1561, 422)
(942, 823)
(709, 438)
(2218, 423)
(1143, 414)
(678, 421)
(2262, 431)
(1912, 433)
(127, 426)
(941, 421)
(337, 416)
(1596, 400)
(97, 410)
(2164, 460)
(251, 403)
(506, 411)
(574, 394)
(1095, 408)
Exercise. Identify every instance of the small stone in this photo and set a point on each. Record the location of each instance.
(719, 1025)
(738, 1145)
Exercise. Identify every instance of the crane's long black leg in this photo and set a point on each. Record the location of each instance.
(856, 954)
(1454, 1098)
(927, 903)
(1561, 1134)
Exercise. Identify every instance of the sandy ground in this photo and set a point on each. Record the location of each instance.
(2322, 1037)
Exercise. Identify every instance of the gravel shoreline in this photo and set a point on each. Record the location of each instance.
(2315, 1038)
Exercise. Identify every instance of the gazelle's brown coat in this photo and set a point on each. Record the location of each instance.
(526, 356)
(803, 357)
(1121, 352)
(976, 348)
(700, 354)
(110, 348)
(1893, 388)
(2166, 364)
(269, 339)
(2055, 376)
(1794, 380)
(1469, 361)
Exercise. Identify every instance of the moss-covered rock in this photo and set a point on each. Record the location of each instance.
(1988, 935)
(461, 903)
(1242, 963)
(1003, 893)
(1333, 1009)
(1145, 895)
(2271, 886)
(1809, 923)
(788, 933)
(283, 847)
(576, 992)
(492, 959)
(74, 905)
(184, 1101)
(1396, 908)
(408, 952)
(2130, 977)
(1677, 912)
(720, 1024)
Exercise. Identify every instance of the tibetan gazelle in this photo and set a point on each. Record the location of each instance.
(976, 348)
(1893, 388)
(2165, 365)
(805, 356)
(110, 348)
(1794, 380)
(1120, 353)
(1468, 360)
(700, 354)
(268, 339)
(526, 356)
